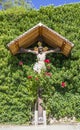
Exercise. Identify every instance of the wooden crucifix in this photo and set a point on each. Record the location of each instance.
(40, 114)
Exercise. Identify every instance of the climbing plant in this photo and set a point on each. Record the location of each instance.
(60, 82)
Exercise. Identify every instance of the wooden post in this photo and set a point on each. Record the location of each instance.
(40, 111)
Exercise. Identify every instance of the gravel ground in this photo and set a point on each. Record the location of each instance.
(48, 127)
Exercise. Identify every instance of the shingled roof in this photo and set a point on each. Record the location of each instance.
(48, 35)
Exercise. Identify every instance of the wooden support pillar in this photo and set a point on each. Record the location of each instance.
(40, 113)
(63, 45)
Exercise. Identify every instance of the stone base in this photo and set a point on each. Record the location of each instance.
(40, 120)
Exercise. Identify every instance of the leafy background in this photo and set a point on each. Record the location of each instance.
(17, 89)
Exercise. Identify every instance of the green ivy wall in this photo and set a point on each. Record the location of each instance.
(18, 82)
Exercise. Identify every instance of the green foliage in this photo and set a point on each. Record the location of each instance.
(19, 84)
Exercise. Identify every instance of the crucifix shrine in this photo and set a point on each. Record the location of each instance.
(40, 113)
(40, 34)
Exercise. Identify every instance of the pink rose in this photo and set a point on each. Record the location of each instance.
(63, 84)
(20, 63)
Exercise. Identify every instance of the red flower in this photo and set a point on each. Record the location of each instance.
(29, 77)
(48, 74)
(63, 84)
(36, 78)
(47, 61)
(20, 63)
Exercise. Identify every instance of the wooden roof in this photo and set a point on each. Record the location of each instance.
(48, 35)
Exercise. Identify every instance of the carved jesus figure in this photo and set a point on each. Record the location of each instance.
(41, 56)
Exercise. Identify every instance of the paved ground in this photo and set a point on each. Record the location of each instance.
(52, 127)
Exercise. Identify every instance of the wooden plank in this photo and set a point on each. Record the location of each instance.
(66, 50)
(29, 43)
(49, 42)
(28, 39)
(14, 48)
(47, 36)
(40, 31)
(28, 35)
(55, 34)
(51, 35)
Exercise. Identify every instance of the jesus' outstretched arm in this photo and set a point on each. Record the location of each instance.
(22, 50)
(57, 50)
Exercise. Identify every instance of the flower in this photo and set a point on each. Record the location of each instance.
(29, 77)
(47, 61)
(20, 63)
(36, 78)
(48, 74)
(63, 84)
